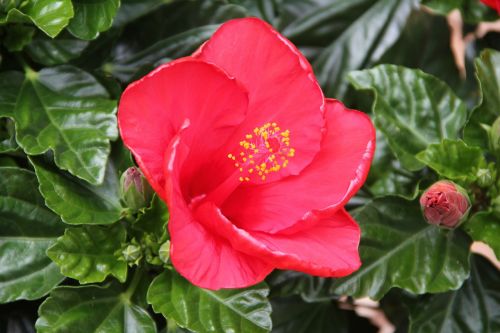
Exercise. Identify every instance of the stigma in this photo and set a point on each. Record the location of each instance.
(264, 151)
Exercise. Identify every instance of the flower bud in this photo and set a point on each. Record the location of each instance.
(164, 252)
(445, 204)
(485, 177)
(132, 254)
(136, 192)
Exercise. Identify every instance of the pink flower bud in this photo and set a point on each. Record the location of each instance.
(136, 192)
(445, 204)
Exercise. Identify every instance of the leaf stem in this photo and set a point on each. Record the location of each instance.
(139, 272)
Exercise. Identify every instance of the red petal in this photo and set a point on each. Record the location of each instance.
(185, 93)
(204, 258)
(281, 86)
(328, 248)
(336, 174)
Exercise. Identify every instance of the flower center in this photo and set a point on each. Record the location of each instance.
(264, 151)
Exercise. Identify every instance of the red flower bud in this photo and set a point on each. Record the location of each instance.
(135, 190)
(445, 204)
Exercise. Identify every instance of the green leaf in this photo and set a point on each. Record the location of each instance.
(87, 253)
(292, 314)
(154, 219)
(92, 17)
(131, 10)
(17, 37)
(386, 176)
(93, 309)
(473, 11)
(27, 229)
(68, 111)
(7, 136)
(10, 85)
(488, 75)
(485, 227)
(376, 23)
(164, 50)
(76, 201)
(453, 159)
(412, 109)
(50, 52)
(202, 310)
(399, 249)
(473, 308)
(50, 16)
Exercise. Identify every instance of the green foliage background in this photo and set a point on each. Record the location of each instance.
(66, 238)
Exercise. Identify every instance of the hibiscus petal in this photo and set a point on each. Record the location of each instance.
(186, 93)
(201, 256)
(326, 184)
(329, 247)
(281, 86)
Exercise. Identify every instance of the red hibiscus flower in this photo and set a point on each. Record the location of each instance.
(253, 162)
(495, 4)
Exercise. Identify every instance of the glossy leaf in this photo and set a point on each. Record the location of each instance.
(68, 111)
(412, 109)
(399, 249)
(92, 309)
(488, 75)
(10, 85)
(473, 308)
(50, 52)
(377, 23)
(292, 314)
(202, 310)
(485, 227)
(76, 201)
(50, 16)
(453, 159)
(92, 17)
(27, 229)
(87, 253)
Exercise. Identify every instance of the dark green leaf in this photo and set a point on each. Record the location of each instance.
(453, 159)
(93, 309)
(292, 314)
(7, 136)
(154, 219)
(50, 52)
(164, 50)
(76, 201)
(27, 229)
(10, 85)
(18, 36)
(132, 9)
(202, 310)
(471, 309)
(50, 16)
(377, 24)
(66, 110)
(412, 109)
(87, 253)
(488, 75)
(386, 176)
(92, 17)
(399, 249)
(485, 227)
(434, 56)
(473, 11)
